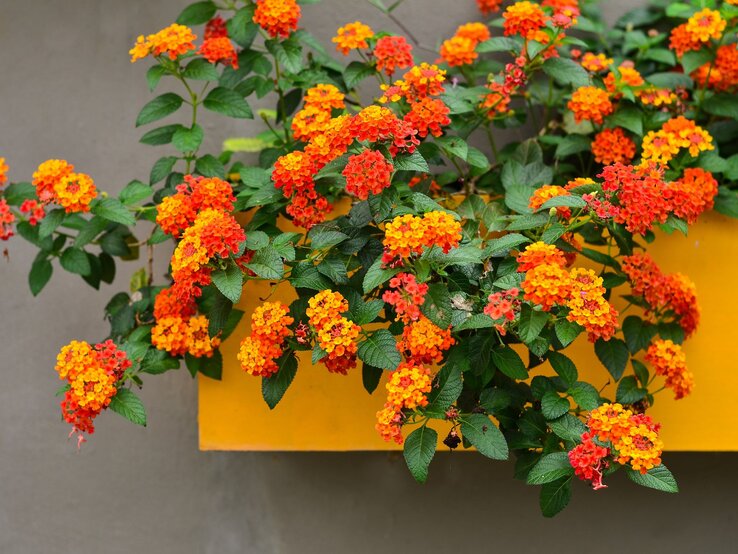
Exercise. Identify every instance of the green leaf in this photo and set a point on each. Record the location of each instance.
(127, 404)
(531, 324)
(321, 238)
(573, 144)
(356, 72)
(568, 428)
(570, 201)
(267, 264)
(453, 146)
(420, 446)
(549, 468)
(628, 391)
(162, 168)
(200, 69)
(614, 356)
(208, 366)
(274, 387)
(659, 478)
(209, 166)
(368, 311)
(670, 80)
(585, 395)
(227, 102)
(694, 59)
(509, 362)
(229, 281)
(135, 191)
(75, 260)
(437, 305)
(564, 367)
(158, 108)
(41, 271)
(241, 27)
(50, 222)
(370, 377)
(498, 44)
(555, 496)
(638, 333)
(156, 362)
(377, 275)
(197, 13)
(379, 349)
(113, 210)
(567, 331)
(160, 135)
(553, 406)
(188, 140)
(411, 162)
(629, 118)
(566, 72)
(288, 53)
(154, 75)
(447, 386)
(484, 435)
(500, 247)
(725, 105)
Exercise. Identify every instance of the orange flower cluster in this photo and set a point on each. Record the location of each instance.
(595, 62)
(428, 115)
(625, 76)
(669, 360)
(352, 36)
(7, 218)
(419, 82)
(367, 173)
(640, 195)
(613, 146)
(407, 386)
(406, 295)
(722, 73)
(524, 19)
(315, 117)
(588, 461)
(539, 253)
(460, 49)
(676, 134)
(588, 306)
(177, 212)
(407, 235)
(704, 25)
(335, 334)
(213, 233)
(389, 424)
(173, 41)
(92, 375)
(269, 328)
(590, 103)
(55, 181)
(277, 17)
(488, 6)
(219, 49)
(497, 101)
(652, 96)
(178, 330)
(674, 292)
(424, 342)
(692, 194)
(682, 41)
(545, 193)
(3, 172)
(634, 438)
(392, 53)
(547, 285)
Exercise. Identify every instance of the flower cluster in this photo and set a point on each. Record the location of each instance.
(632, 438)
(503, 307)
(177, 212)
(460, 49)
(424, 342)
(406, 296)
(367, 173)
(219, 49)
(663, 293)
(352, 36)
(92, 375)
(335, 334)
(178, 329)
(56, 182)
(392, 53)
(545, 193)
(315, 117)
(613, 146)
(669, 360)
(173, 41)
(259, 350)
(277, 17)
(408, 235)
(677, 134)
(590, 103)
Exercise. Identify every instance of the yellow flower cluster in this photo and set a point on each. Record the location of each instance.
(173, 41)
(676, 134)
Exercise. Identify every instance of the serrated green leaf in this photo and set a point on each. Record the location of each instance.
(129, 405)
(555, 496)
(113, 210)
(159, 108)
(229, 281)
(553, 406)
(274, 387)
(227, 102)
(484, 435)
(41, 271)
(564, 367)
(509, 362)
(549, 468)
(420, 446)
(614, 356)
(568, 428)
(75, 260)
(659, 478)
(188, 140)
(379, 349)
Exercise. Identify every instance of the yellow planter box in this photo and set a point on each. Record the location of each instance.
(323, 411)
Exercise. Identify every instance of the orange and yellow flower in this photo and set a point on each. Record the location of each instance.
(424, 342)
(277, 17)
(669, 360)
(408, 385)
(352, 36)
(612, 146)
(74, 192)
(590, 103)
(173, 41)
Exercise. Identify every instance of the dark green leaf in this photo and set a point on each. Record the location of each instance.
(274, 387)
(158, 108)
(411, 162)
(135, 191)
(50, 222)
(555, 496)
(437, 305)
(41, 271)
(420, 446)
(484, 435)
(531, 324)
(370, 377)
(553, 406)
(628, 391)
(659, 478)
(229, 281)
(379, 349)
(551, 467)
(638, 334)
(112, 209)
(75, 260)
(200, 69)
(564, 367)
(566, 72)
(197, 13)
(614, 356)
(509, 362)
(188, 140)
(227, 102)
(568, 427)
(127, 404)
(447, 386)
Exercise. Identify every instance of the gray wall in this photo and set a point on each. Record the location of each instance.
(68, 90)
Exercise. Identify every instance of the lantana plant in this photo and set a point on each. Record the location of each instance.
(457, 269)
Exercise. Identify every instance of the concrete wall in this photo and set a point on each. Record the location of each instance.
(67, 90)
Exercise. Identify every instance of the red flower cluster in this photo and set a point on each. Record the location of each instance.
(219, 49)
(589, 461)
(177, 212)
(406, 295)
(391, 53)
(692, 194)
(428, 115)
(503, 306)
(367, 173)
(674, 293)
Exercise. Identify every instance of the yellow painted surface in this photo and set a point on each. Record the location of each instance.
(323, 411)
